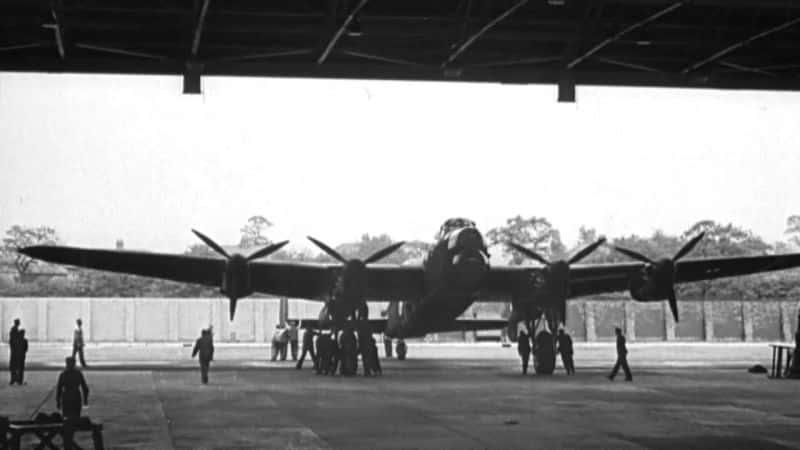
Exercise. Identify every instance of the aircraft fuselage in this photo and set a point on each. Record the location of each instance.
(455, 269)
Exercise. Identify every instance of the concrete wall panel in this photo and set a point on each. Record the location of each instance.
(690, 326)
(608, 315)
(24, 309)
(576, 320)
(649, 321)
(242, 329)
(170, 320)
(193, 316)
(728, 321)
(151, 320)
(108, 320)
(766, 320)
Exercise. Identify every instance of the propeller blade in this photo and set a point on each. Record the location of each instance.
(688, 247)
(207, 240)
(268, 250)
(529, 253)
(331, 252)
(562, 309)
(586, 251)
(673, 304)
(380, 254)
(232, 308)
(633, 254)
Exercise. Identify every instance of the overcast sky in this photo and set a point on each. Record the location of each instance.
(106, 157)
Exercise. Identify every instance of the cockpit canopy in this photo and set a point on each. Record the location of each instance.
(454, 224)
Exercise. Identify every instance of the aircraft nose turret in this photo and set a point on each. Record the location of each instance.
(465, 239)
(470, 261)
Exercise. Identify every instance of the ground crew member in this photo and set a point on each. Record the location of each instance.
(13, 338)
(20, 350)
(387, 345)
(334, 354)
(308, 347)
(374, 359)
(71, 384)
(565, 348)
(204, 347)
(349, 351)
(278, 342)
(323, 353)
(77, 342)
(292, 334)
(524, 349)
(622, 358)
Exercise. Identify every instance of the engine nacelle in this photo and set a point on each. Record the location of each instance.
(654, 283)
(236, 281)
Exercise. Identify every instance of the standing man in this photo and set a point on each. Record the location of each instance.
(71, 384)
(204, 347)
(523, 346)
(308, 347)
(77, 342)
(13, 346)
(622, 357)
(19, 358)
(292, 332)
(277, 341)
(565, 348)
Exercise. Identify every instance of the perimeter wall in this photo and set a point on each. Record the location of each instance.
(180, 320)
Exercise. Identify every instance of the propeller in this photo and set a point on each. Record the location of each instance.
(561, 267)
(236, 272)
(353, 275)
(380, 254)
(664, 265)
(266, 251)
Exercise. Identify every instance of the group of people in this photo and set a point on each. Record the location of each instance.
(564, 348)
(285, 336)
(340, 354)
(18, 350)
(528, 344)
(72, 391)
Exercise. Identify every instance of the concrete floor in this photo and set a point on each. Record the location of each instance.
(465, 397)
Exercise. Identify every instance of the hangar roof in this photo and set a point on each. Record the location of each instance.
(751, 44)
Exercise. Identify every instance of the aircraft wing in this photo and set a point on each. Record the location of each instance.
(284, 279)
(189, 269)
(591, 279)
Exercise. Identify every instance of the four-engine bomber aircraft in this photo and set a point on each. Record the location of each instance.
(429, 297)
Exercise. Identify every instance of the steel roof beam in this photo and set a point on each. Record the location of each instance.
(198, 29)
(740, 44)
(340, 31)
(625, 31)
(470, 40)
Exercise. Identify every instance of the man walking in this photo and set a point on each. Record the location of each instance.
(622, 358)
(77, 342)
(308, 348)
(204, 347)
(71, 384)
(565, 348)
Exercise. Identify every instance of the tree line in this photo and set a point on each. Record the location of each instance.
(536, 233)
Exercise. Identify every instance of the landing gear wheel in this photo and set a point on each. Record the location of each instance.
(401, 349)
(544, 354)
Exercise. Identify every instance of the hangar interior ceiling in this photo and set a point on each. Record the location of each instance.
(728, 44)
